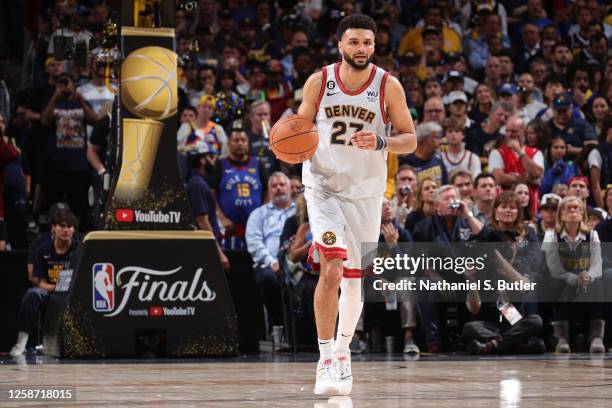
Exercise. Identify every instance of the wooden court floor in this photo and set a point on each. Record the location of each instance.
(287, 381)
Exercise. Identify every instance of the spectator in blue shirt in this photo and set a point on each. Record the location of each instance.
(576, 132)
(263, 231)
(425, 159)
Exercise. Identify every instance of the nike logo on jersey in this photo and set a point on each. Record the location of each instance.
(332, 93)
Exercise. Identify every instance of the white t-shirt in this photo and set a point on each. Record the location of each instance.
(496, 160)
(595, 159)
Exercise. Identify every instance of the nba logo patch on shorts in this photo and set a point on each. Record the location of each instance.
(103, 283)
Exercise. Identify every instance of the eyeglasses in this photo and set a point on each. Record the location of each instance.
(434, 111)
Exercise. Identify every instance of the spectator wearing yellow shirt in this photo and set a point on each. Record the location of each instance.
(413, 40)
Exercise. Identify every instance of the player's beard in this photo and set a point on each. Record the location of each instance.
(354, 64)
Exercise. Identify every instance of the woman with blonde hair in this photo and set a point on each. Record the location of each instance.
(425, 206)
(573, 256)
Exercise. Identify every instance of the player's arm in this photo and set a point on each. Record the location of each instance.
(312, 88)
(405, 141)
(395, 99)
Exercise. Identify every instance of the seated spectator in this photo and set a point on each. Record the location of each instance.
(599, 111)
(50, 259)
(573, 256)
(263, 232)
(404, 199)
(450, 223)
(456, 156)
(203, 129)
(577, 133)
(600, 163)
(595, 216)
(392, 233)
(537, 135)
(413, 40)
(558, 168)
(527, 103)
(476, 41)
(522, 192)
(548, 211)
(457, 102)
(463, 180)
(239, 181)
(433, 110)
(424, 208)
(485, 192)
(488, 332)
(480, 139)
(425, 159)
(578, 186)
(483, 101)
(201, 198)
(512, 162)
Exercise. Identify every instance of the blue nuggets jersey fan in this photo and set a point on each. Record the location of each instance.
(345, 184)
(240, 191)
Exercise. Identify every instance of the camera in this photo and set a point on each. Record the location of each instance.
(454, 205)
(405, 190)
(188, 5)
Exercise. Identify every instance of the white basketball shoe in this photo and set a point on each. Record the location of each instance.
(327, 380)
(344, 372)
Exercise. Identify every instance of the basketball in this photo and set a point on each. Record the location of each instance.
(148, 83)
(294, 139)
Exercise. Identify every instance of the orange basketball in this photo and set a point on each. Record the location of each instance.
(294, 139)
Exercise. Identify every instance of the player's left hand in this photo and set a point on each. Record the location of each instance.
(364, 139)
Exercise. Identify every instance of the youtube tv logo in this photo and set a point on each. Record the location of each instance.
(123, 215)
(156, 311)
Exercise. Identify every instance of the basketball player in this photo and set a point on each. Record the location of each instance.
(353, 103)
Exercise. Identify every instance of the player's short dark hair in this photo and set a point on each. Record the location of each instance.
(356, 21)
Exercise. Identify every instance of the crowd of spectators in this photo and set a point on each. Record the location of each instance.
(512, 104)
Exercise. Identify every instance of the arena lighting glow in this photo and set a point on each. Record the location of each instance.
(510, 393)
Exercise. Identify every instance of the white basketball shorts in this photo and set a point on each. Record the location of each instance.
(339, 225)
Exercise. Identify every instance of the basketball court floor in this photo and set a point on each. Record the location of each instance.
(381, 380)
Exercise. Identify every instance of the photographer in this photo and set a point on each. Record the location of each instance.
(527, 106)
(452, 222)
(66, 172)
(72, 21)
(404, 201)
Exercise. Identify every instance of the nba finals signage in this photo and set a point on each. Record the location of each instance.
(130, 283)
(150, 284)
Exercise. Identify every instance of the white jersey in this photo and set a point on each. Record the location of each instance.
(337, 166)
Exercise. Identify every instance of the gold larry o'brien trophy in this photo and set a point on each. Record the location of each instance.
(149, 91)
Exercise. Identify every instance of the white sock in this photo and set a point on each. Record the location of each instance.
(326, 348)
(349, 308)
(22, 339)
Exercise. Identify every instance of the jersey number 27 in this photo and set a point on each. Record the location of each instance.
(339, 128)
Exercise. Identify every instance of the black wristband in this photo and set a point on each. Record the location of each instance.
(381, 143)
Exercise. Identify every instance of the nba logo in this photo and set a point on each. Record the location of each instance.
(103, 287)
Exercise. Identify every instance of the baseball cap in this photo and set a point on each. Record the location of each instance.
(507, 88)
(562, 101)
(206, 100)
(456, 96)
(452, 74)
(598, 212)
(550, 200)
(452, 57)
(201, 147)
(430, 29)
